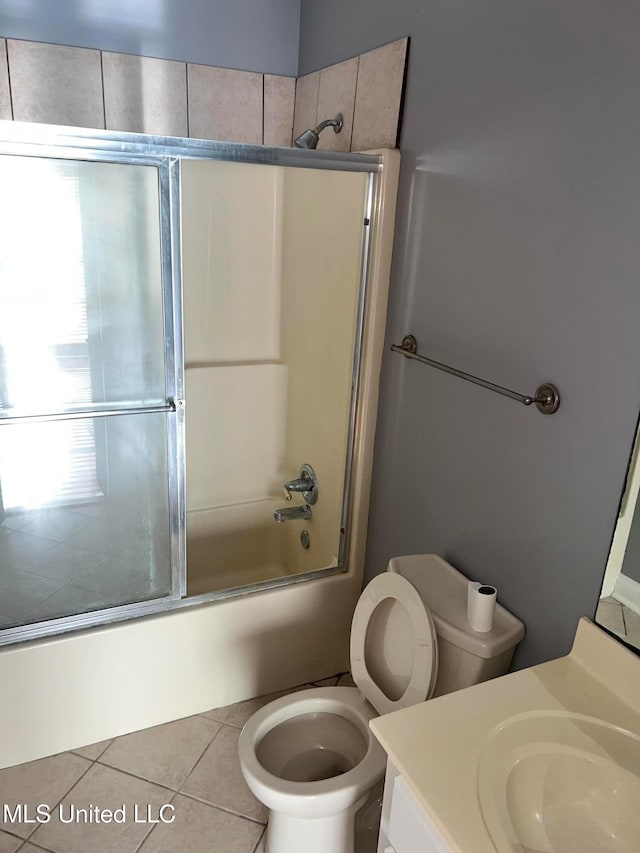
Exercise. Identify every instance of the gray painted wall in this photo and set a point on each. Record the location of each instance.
(251, 35)
(518, 259)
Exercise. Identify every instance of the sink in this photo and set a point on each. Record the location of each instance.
(557, 782)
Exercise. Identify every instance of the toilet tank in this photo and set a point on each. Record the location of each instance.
(465, 656)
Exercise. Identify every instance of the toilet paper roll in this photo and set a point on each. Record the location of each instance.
(481, 605)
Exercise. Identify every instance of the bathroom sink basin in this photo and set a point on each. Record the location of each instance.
(556, 782)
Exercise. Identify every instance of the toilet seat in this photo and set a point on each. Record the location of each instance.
(374, 641)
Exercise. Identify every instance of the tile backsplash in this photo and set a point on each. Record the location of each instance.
(54, 84)
(337, 94)
(379, 96)
(366, 89)
(144, 95)
(225, 104)
(82, 87)
(75, 86)
(279, 100)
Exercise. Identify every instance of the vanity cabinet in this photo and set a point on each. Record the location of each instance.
(517, 763)
(405, 827)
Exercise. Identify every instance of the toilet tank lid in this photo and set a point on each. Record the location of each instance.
(444, 590)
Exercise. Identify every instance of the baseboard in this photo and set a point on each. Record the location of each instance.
(627, 592)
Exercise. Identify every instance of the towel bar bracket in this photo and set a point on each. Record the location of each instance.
(546, 399)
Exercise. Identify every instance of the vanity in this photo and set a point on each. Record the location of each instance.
(544, 760)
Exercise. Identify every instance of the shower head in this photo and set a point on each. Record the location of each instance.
(309, 138)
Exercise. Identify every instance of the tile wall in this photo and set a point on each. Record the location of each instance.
(75, 86)
(367, 90)
(41, 82)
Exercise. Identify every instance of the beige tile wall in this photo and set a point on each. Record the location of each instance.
(144, 95)
(44, 84)
(379, 97)
(279, 99)
(54, 84)
(337, 94)
(225, 104)
(367, 90)
(306, 106)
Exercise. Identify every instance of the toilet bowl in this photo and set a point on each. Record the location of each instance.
(310, 756)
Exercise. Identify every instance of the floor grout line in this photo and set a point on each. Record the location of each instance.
(13, 835)
(28, 839)
(57, 804)
(80, 755)
(136, 776)
(220, 808)
(37, 846)
(258, 842)
(152, 781)
(144, 840)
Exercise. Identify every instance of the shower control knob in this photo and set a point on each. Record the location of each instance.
(307, 483)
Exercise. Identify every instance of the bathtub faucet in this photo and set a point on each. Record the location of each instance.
(290, 512)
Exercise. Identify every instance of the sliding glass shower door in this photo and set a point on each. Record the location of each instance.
(90, 388)
(98, 231)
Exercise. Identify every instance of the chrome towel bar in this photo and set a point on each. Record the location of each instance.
(547, 396)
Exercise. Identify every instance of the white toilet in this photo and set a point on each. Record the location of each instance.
(310, 756)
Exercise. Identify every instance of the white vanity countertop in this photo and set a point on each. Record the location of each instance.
(436, 745)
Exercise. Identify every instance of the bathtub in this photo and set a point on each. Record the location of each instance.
(241, 544)
(231, 546)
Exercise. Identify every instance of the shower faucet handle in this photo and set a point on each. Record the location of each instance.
(306, 483)
(301, 485)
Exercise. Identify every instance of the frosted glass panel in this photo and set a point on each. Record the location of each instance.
(84, 516)
(81, 314)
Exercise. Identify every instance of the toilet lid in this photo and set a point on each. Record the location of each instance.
(394, 651)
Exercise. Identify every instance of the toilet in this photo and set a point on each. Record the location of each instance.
(310, 756)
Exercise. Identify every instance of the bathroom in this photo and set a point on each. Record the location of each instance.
(514, 259)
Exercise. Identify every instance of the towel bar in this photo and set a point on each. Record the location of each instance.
(546, 398)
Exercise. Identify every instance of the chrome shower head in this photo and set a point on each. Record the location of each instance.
(309, 138)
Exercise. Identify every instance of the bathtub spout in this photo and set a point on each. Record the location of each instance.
(290, 512)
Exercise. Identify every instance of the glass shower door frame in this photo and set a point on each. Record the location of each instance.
(51, 144)
(166, 154)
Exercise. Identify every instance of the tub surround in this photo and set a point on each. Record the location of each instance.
(436, 746)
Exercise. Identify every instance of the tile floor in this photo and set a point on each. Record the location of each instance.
(620, 619)
(59, 561)
(190, 764)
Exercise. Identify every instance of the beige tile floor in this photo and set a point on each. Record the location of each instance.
(620, 619)
(191, 765)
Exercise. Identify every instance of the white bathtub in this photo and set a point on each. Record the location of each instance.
(236, 545)
(241, 544)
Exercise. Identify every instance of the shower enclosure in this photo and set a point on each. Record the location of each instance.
(181, 328)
